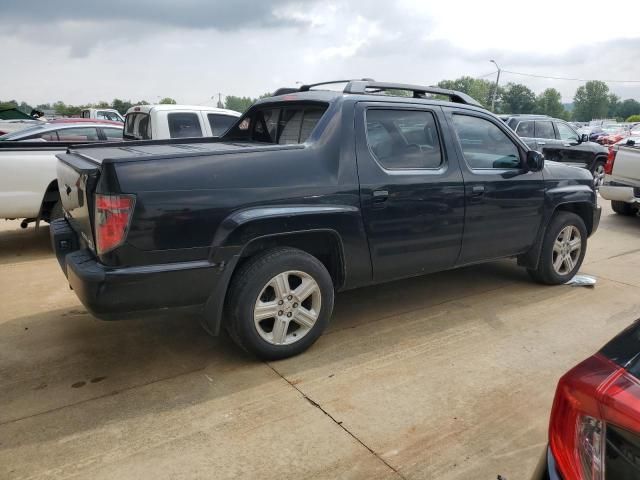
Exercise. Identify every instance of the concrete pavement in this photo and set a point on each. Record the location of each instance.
(447, 376)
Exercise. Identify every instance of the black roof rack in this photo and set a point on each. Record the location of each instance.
(368, 85)
(419, 91)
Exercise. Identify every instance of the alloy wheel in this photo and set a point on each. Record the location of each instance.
(287, 308)
(566, 250)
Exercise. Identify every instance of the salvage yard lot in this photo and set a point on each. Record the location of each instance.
(447, 376)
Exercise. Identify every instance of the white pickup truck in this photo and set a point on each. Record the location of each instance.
(28, 180)
(157, 122)
(102, 114)
(622, 177)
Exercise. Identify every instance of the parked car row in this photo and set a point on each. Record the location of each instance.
(560, 142)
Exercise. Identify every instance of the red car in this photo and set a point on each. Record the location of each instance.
(594, 432)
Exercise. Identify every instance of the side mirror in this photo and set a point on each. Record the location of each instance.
(584, 138)
(535, 161)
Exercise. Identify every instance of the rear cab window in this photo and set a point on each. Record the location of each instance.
(137, 126)
(282, 125)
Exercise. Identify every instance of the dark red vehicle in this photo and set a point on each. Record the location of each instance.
(84, 120)
(594, 432)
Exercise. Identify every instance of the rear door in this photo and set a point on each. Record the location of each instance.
(545, 136)
(504, 202)
(570, 150)
(411, 190)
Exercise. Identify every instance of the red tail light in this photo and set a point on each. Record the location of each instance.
(112, 219)
(595, 393)
(611, 158)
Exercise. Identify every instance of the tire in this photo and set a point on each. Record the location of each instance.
(622, 208)
(598, 173)
(559, 241)
(56, 212)
(272, 283)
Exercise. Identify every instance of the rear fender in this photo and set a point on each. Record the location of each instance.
(243, 228)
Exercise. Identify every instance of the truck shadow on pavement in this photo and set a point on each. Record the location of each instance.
(22, 245)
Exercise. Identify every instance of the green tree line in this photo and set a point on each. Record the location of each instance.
(591, 100)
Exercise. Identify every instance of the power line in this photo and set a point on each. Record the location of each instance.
(488, 74)
(567, 78)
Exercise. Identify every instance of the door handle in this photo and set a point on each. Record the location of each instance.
(542, 143)
(477, 190)
(380, 196)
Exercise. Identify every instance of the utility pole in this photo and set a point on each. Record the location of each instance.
(495, 89)
(220, 104)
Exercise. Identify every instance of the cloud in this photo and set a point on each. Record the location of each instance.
(190, 50)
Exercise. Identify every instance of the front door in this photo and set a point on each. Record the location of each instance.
(412, 193)
(504, 201)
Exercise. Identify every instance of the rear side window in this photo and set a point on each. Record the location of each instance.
(545, 130)
(80, 134)
(86, 114)
(220, 123)
(525, 129)
(281, 125)
(184, 125)
(113, 134)
(403, 139)
(484, 145)
(137, 126)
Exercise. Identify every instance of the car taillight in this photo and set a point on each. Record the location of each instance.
(112, 218)
(611, 158)
(594, 394)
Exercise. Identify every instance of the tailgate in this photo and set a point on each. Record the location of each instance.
(77, 180)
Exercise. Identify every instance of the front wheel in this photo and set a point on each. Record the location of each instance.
(279, 303)
(563, 249)
(598, 173)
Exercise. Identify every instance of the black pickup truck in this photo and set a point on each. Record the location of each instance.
(311, 192)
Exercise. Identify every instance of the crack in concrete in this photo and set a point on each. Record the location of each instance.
(339, 424)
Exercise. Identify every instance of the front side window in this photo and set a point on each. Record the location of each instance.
(403, 139)
(525, 129)
(220, 123)
(566, 133)
(108, 116)
(79, 134)
(184, 125)
(46, 136)
(113, 134)
(484, 145)
(545, 130)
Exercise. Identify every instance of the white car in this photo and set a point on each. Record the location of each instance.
(28, 179)
(102, 114)
(622, 177)
(147, 122)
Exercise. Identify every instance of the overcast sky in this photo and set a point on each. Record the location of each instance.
(81, 51)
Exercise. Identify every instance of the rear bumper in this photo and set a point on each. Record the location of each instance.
(115, 293)
(546, 469)
(620, 193)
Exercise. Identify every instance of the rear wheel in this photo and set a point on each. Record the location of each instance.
(56, 211)
(563, 249)
(279, 303)
(622, 208)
